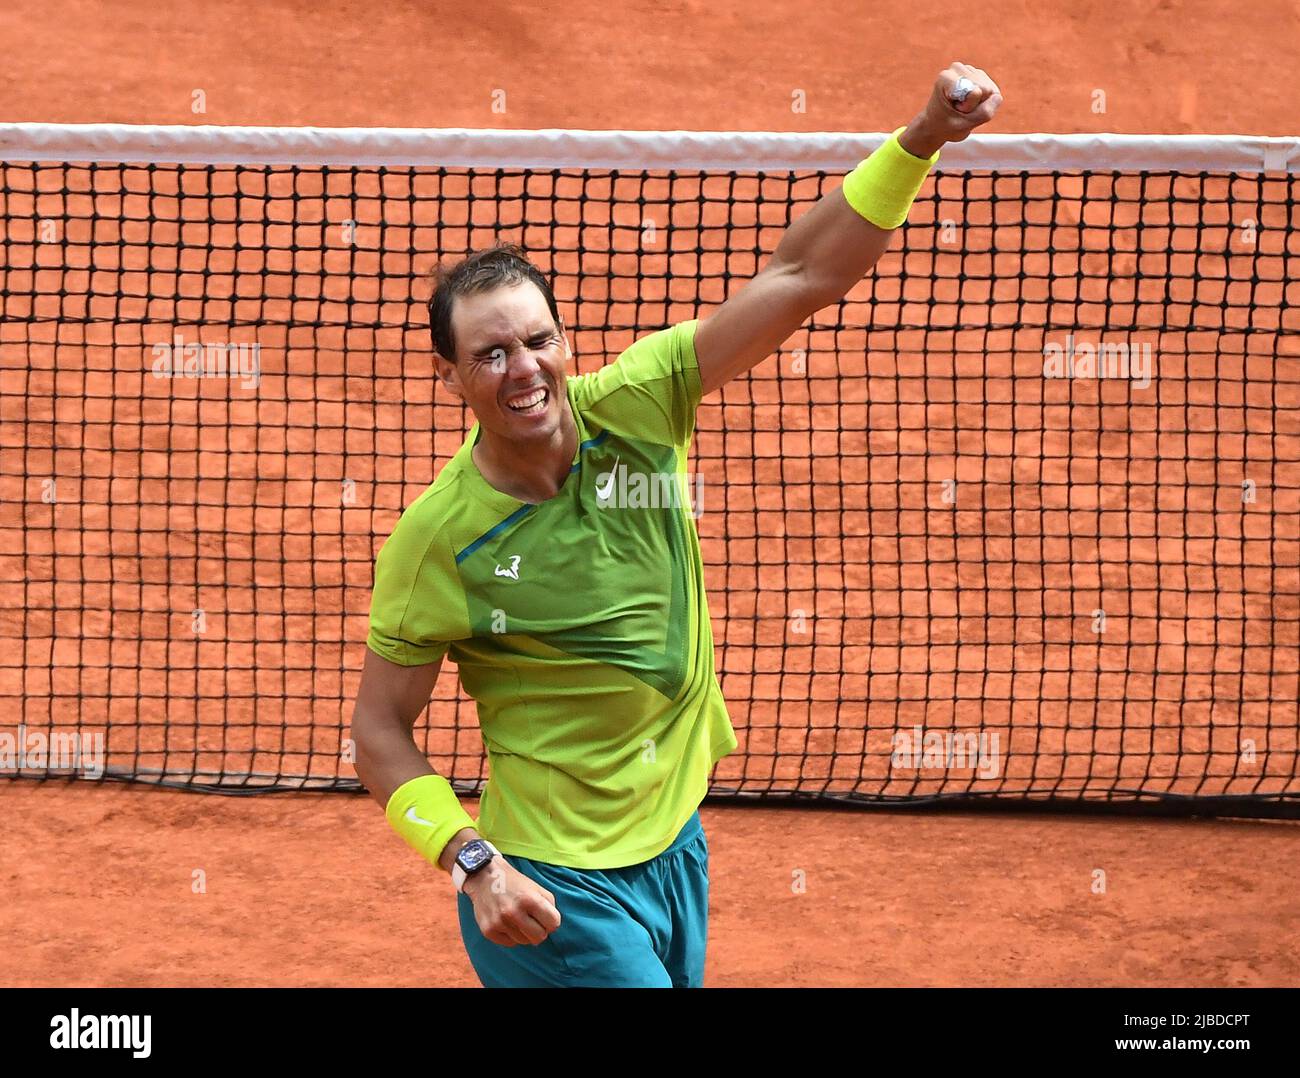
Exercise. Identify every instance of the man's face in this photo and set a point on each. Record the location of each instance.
(511, 361)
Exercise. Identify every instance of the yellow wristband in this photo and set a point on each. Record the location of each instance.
(427, 814)
(883, 187)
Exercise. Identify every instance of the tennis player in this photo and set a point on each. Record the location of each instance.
(545, 560)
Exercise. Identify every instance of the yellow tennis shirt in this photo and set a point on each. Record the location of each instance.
(580, 626)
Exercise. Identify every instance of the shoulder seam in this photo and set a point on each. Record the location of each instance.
(690, 348)
(434, 538)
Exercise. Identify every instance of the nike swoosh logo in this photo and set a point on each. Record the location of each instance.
(604, 490)
(410, 815)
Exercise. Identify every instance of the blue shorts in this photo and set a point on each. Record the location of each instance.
(643, 926)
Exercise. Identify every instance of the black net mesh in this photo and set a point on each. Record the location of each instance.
(936, 574)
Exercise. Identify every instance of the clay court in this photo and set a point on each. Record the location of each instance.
(311, 888)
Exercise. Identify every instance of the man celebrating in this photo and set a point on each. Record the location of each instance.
(579, 625)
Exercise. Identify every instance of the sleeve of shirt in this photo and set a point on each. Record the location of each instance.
(417, 607)
(653, 389)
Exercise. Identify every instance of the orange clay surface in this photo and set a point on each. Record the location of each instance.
(315, 889)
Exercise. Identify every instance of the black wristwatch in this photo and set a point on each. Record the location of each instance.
(471, 858)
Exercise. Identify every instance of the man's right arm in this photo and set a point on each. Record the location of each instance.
(510, 908)
(389, 700)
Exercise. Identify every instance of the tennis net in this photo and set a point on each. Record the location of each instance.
(1016, 523)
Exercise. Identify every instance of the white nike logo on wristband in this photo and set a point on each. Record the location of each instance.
(410, 815)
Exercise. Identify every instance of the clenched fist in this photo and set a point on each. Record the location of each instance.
(509, 907)
(963, 98)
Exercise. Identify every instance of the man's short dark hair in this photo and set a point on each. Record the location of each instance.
(493, 267)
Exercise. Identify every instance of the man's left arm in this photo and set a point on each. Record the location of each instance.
(829, 249)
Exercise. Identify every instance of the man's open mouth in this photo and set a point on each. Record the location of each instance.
(530, 403)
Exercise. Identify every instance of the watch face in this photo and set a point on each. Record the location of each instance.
(473, 854)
